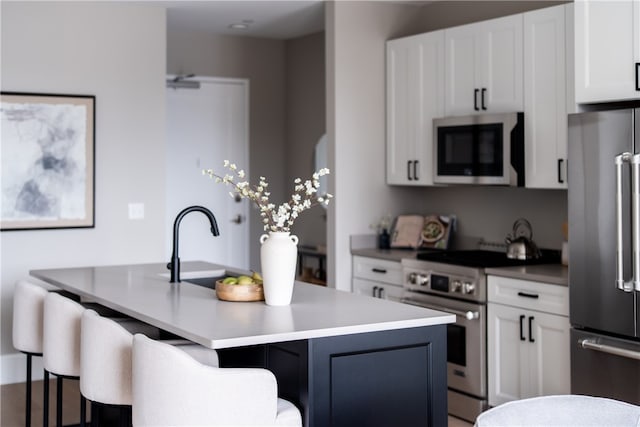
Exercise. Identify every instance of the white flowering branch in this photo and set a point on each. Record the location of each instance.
(274, 219)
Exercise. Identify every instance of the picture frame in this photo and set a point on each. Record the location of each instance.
(47, 161)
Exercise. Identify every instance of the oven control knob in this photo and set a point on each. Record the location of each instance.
(468, 288)
(456, 286)
(422, 280)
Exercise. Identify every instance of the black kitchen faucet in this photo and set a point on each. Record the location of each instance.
(174, 264)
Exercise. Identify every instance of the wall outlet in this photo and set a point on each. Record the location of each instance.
(136, 210)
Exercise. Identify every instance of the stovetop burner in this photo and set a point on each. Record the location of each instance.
(486, 259)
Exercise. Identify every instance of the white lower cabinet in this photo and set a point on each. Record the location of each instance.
(377, 278)
(528, 339)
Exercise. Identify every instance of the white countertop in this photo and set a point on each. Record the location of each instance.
(193, 312)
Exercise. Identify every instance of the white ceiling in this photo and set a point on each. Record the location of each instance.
(268, 18)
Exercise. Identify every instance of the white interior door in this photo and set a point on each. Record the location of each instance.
(206, 126)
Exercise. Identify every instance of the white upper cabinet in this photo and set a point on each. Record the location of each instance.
(546, 53)
(415, 95)
(607, 50)
(483, 67)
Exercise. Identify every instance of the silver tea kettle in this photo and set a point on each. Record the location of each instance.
(520, 244)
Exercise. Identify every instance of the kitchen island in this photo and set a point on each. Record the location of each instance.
(344, 359)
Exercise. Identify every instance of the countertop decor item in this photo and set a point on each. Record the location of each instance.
(278, 254)
(417, 231)
(237, 292)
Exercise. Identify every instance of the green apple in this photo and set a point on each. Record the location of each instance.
(245, 280)
(230, 280)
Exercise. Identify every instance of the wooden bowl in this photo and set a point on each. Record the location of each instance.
(228, 292)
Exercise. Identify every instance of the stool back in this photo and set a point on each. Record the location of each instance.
(105, 355)
(28, 310)
(61, 335)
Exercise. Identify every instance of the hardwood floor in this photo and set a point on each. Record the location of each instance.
(12, 403)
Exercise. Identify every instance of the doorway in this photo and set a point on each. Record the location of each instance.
(205, 126)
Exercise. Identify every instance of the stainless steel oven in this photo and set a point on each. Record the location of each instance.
(432, 285)
(455, 282)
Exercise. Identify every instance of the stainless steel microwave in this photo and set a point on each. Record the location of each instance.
(483, 149)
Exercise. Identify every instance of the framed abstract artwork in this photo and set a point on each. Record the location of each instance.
(47, 161)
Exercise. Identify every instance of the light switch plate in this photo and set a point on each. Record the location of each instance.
(136, 210)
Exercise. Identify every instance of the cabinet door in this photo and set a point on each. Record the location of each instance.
(415, 95)
(549, 354)
(501, 65)
(545, 108)
(484, 67)
(607, 50)
(401, 104)
(462, 56)
(506, 355)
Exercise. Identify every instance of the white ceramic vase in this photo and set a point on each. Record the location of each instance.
(278, 259)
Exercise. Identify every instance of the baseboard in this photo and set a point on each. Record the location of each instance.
(14, 368)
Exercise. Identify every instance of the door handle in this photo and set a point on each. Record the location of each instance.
(475, 99)
(238, 219)
(409, 170)
(560, 180)
(415, 170)
(484, 90)
(637, 75)
(531, 339)
(379, 270)
(375, 291)
(380, 292)
(522, 338)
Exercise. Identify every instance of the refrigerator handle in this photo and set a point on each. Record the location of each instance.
(635, 220)
(593, 344)
(621, 284)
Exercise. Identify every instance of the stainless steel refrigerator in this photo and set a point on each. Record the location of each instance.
(604, 252)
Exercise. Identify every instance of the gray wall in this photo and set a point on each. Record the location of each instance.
(305, 124)
(117, 53)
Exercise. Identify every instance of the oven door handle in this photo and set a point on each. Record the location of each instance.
(469, 315)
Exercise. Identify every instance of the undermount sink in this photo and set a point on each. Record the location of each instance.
(205, 278)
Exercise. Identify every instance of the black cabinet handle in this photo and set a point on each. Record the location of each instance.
(530, 332)
(375, 291)
(522, 338)
(409, 170)
(415, 170)
(527, 295)
(379, 270)
(381, 292)
(484, 90)
(637, 75)
(560, 180)
(475, 99)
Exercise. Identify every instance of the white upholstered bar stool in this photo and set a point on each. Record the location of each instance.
(561, 410)
(171, 388)
(105, 368)
(61, 346)
(28, 309)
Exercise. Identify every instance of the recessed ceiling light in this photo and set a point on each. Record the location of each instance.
(243, 25)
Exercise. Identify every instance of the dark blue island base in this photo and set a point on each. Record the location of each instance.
(387, 378)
